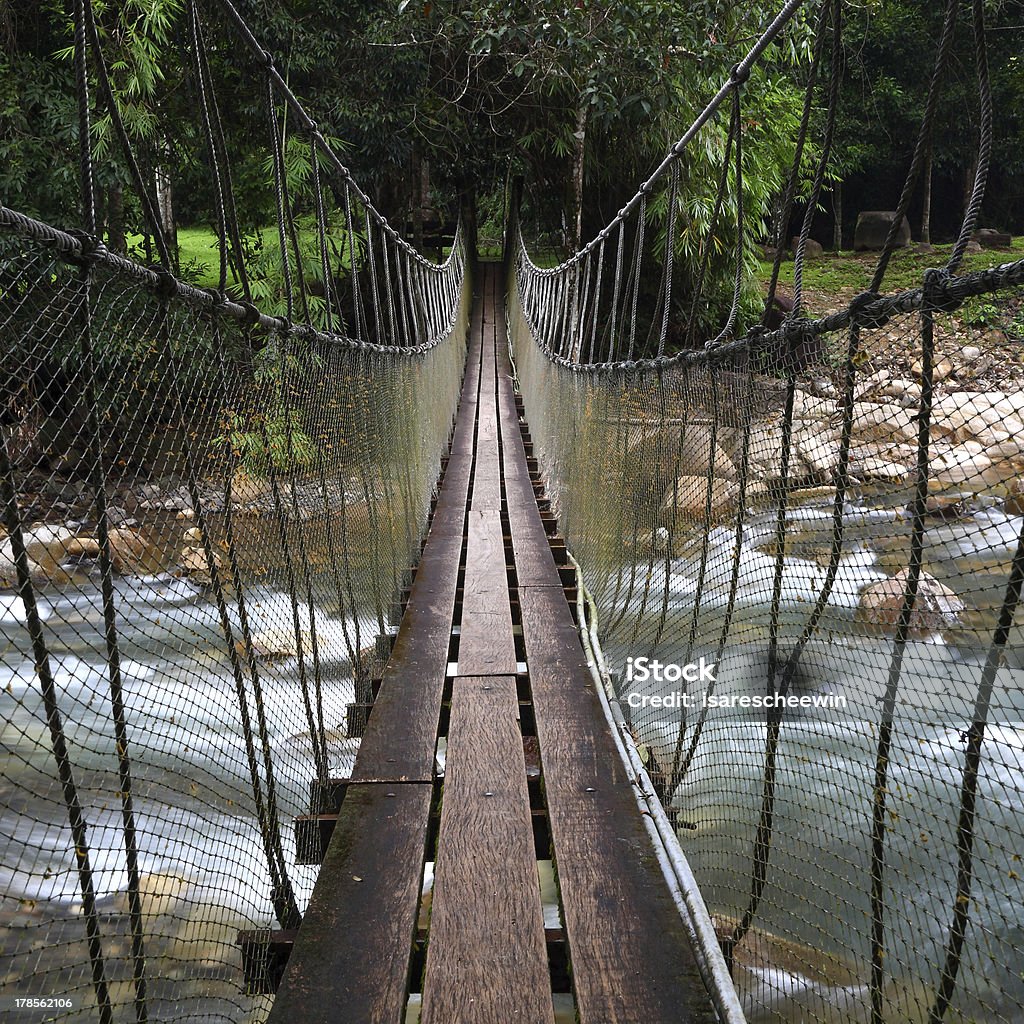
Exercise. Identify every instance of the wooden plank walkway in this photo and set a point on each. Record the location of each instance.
(488, 581)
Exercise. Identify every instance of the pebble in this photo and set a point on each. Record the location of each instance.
(970, 353)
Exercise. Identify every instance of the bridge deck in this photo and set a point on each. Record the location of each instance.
(520, 681)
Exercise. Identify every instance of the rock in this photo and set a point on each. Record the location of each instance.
(814, 453)
(960, 465)
(660, 454)
(689, 497)
(48, 543)
(193, 535)
(989, 416)
(883, 422)
(873, 228)
(882, 460)
(946, 507)
(1014, 503)
(819, 451)
(812, 250)
(246, 489)
(970, 353)
(130, 552)
(874, 468)
(177, 501)
(990, 238)
(193, 564)
(659, 539)
(940, 370)
(118, 516)
(906, 392)
(936, 607)
(186, 514)
(83, 547)
(764, 452)
(824, 388)
(271, 644)
(811, 407)
(873, 382)
(8, 570)
(973, 246)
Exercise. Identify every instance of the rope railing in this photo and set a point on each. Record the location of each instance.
(812, 524)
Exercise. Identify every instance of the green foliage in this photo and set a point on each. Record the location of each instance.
(270, 434)
(262, 442)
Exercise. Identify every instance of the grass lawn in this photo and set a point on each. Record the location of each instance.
(839, 273)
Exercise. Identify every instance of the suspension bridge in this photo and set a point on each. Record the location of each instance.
(319, 621)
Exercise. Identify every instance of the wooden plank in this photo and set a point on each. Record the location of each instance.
(630, 952)
(487, 474)
(486, 643)
(535, 565)
(451, 500)
(486, 959)
(350, 961)
(399, 742)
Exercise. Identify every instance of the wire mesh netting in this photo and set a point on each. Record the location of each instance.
(209, 510)
(205, 528)
(668, 486)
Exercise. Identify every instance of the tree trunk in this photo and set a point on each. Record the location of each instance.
(165, 211)
(515, 205)
(578, 151)
(417, 199)
(926, 200)
(970, 173)
(837, 216)
(115, 218)
(467, 201)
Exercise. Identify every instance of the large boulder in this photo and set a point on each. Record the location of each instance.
(48, 543)
(132, 553)
(813, 250)
(688, 497)
(657, 455)
(936, 608)
(990, 238)
(873, 229)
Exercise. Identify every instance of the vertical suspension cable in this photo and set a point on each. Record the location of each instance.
(597, 302)
(321, 232)
(613, 341)
(353, 263)
(279, 196)
(282, 895)
(638, 259)
(670, 255)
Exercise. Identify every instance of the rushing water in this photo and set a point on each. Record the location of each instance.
(204, 873)
(203, 867)
(808, 956)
